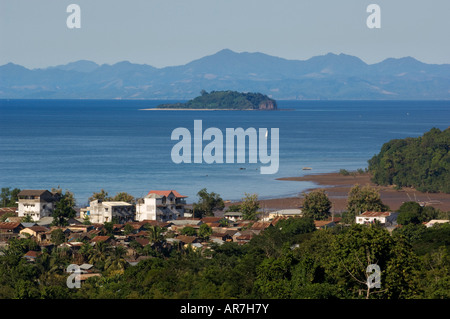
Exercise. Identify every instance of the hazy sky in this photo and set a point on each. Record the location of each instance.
(173, 32)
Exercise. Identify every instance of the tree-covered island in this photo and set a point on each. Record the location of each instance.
(226, 100)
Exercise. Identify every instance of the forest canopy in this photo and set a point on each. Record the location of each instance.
(422, 162)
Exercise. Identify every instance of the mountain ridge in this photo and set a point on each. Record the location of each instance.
(329, 76)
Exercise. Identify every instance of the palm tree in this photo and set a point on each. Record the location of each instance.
(156, 237)
(98, 255)
(48, 266)
(115, 262)
(155, 233)
(86, 251)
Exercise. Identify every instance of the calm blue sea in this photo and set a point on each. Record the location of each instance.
(87, 145)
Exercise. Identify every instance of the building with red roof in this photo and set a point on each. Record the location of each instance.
(161, 205)
(385, 218)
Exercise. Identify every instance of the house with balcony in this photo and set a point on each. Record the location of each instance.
(100, 212)
(161, 206)
(36, 203)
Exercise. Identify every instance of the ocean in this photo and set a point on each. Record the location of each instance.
(87, 145)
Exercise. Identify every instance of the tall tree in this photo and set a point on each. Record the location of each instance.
(361, 199)
(204, 231)
(356, 249)
(70, 197)
(58, 236)
(124, 197)
(9, 197)
(5, 196)
(102, 195)
(154, 233)
(63, 211)
(207, 204)
(316, 205)
(401, 279)
(249, 206)
(409, 213)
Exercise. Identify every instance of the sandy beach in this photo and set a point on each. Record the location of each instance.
(337, 187)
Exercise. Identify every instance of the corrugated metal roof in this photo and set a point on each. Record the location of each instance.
(5, 225)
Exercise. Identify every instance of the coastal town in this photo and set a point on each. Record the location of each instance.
(165, 209)
(162, 246)
(160, 220)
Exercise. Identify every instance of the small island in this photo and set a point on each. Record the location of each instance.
(225, 100)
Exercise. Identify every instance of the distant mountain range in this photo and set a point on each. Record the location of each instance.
(329, 76)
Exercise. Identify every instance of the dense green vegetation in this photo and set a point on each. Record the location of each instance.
(225, 100)
(207, 203)
(8, 196)
(290, 260)
(316, 205)
(422, 162)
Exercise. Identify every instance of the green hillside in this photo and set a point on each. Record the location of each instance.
(422, 163)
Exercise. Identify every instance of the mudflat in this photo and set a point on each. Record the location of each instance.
(337, 187)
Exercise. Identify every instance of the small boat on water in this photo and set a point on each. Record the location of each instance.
(306, 168)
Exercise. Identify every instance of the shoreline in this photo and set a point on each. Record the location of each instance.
(186, 109)
(181, 109)
(337, 187)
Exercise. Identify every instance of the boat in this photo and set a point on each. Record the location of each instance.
(306, 168)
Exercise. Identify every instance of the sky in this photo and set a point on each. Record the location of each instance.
(174, 32)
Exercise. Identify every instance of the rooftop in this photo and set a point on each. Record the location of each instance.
(5, 210)
(186, 239)
(322, 223)
(233, 214)
(116, 204)
(38, 229)
(292, 211)
(375, 214)
(211, 219)
(98, 239)
(166, 193)
(32, 192)
(5, 225)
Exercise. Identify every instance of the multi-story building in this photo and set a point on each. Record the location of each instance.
(103, 211)
(161, 206)
(36, 203)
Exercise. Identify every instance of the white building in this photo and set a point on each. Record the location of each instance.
(102, 212)
(286, 213)
(161, 206)
(433, 222)
(282, 213)
(36, 203)
(233, 216)
(385, 218)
